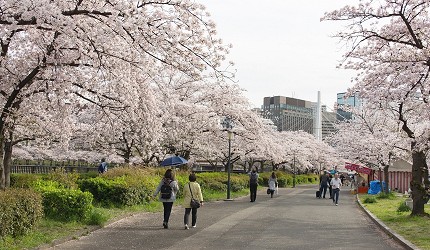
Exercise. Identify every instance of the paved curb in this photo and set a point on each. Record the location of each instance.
(404, 242)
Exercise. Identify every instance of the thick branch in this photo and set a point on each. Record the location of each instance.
(14, 95)
(405, 122)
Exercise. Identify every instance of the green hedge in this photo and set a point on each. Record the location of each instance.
(218, 181)
(120, 191)
(20, 211)
(63, 204)
(67, 204)
(24, 180)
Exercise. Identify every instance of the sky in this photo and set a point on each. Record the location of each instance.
(280, 47)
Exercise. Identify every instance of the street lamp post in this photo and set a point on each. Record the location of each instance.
(294, 171)
(227, 124)
(229, 165)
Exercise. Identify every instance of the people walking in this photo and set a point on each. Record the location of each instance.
(335, 183)
(191, 191)
(168, 188)
(253, 183)
(273, 182)
(323, 184)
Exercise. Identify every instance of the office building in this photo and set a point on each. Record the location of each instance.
(328, 122)
(289, 114)
(344, 101)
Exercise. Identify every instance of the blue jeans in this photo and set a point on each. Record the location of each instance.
(335, 195)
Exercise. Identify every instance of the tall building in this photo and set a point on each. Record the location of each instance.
(346, 101)
(289, 114)
(328, 122)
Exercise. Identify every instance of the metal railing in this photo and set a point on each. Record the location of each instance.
(43, 169)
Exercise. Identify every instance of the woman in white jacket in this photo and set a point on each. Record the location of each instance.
(273, 182)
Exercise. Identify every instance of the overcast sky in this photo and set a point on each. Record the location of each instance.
(280, 47)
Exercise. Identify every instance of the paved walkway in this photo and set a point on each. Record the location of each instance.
(294, 219)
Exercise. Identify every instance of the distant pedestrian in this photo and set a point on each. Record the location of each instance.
(342, 178)
(253, 183)
(168, 188)
(330, 189)
(273, 182)
(352, 181)
(103, 166)
(192, 190)
(323, 184)
(336, 183)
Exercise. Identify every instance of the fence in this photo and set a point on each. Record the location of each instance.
(43, 167)
(399, 180)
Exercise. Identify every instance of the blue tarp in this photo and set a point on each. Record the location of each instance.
(375, 187)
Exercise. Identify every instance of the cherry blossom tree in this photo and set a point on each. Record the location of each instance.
(373, 137)
(388, 46)
(78, 52)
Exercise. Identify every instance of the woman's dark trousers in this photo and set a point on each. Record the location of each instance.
(193, 216)
(167, 210)
(253, 190)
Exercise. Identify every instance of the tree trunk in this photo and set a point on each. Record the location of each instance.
(6, 162)
(2, 171)
(418, 185)
(386, 179)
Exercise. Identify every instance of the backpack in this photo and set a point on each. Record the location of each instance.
(166, 190)
(254, 178)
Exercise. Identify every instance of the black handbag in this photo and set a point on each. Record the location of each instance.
(268, 191)
(194, 203)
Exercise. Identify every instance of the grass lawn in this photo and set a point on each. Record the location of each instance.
(414, 229)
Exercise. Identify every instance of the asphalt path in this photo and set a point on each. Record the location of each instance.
(293, 219)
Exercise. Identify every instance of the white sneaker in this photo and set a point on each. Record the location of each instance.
(186, 226)
(336, 204)
(194, 226)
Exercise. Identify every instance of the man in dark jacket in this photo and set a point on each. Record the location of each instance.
(253, 183)
(323, 184)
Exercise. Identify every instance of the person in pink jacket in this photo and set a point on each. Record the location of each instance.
(192, 189)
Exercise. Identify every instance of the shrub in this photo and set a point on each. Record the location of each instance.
(216, 186)
(370, 199)
(282, 181)
(383, 195)
(23, 180)
(120, 191)
(66, 204)
(20, 211)
(97, 217)
(403, 207)
(66, 180)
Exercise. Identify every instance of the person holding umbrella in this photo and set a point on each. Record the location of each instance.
(168, 188)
